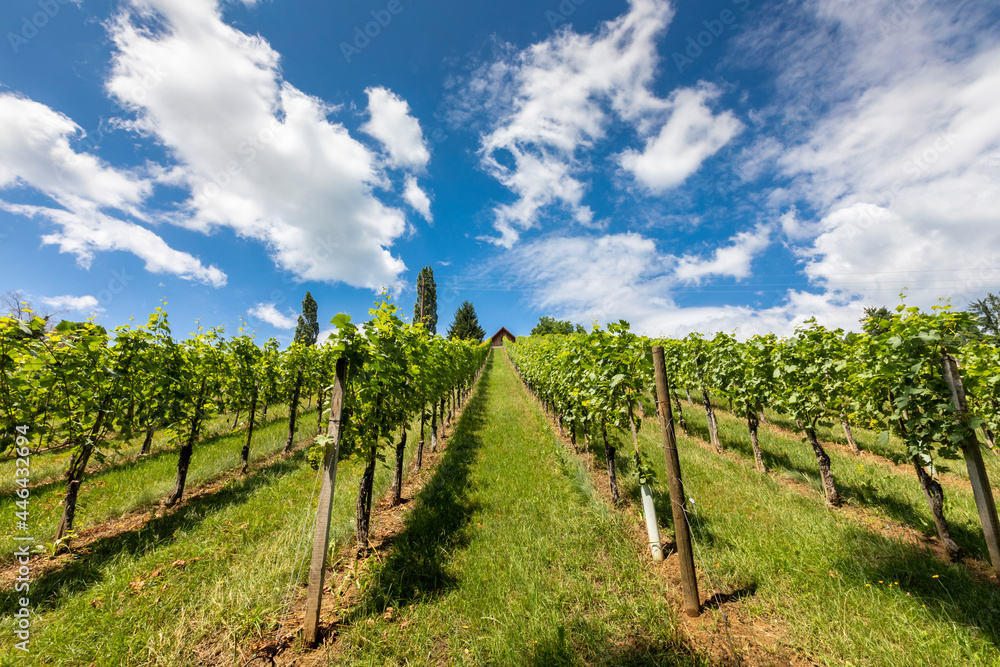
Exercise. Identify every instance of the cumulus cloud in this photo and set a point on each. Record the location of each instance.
(595, 278)
(692, 134)
(732, 260)
(86, 231)
(554, 101)
(35, 151)
(270, 314)
(397, 130)
(92, 197)
(625, 276)
(892, 138)
(79, 304)
(417, 198)
(259, 156)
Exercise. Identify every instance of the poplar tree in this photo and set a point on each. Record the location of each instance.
(306, 334)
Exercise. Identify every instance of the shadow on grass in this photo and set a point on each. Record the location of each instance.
(948, 592)
(638, 650)
(416, 567)
(867, 494)
(133, 461)
(85, 568)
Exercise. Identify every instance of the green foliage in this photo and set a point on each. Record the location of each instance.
(748, 370)
(980, 362)
(875, 320)
(550, 325)
(903, 385)
(466, 324)
(595, 380)
(394, 370)
(811, 370)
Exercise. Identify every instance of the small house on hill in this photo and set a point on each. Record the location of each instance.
(498, 337)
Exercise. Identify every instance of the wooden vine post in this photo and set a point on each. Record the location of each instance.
(321, 535)
(682, 533)
(974, 464)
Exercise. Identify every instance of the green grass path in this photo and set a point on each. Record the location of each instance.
(509, 558)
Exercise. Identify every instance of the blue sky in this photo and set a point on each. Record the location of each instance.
(733, 165)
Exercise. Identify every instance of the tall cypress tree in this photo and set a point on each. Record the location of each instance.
(306, 333)
(466, 324)
(307, 329)
(425, 309)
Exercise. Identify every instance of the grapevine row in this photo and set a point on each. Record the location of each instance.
(79, 386)
(895, 380)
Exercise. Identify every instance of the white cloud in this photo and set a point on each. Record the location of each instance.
(259, 156)
(553, 99)
(417, 198)
(553, 102)
(624, 276)
(392, 124)
(731, 260)
(87, 231)
(270, 314)
(35, 152)
(691, 135)
(595, 277)
(900, 166)
(79, 304)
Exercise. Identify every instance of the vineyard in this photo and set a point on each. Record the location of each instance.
(836, 501)
(903, 382)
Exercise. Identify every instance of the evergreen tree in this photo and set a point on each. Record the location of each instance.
(876, 320)
(466, 324)
(306, 332)
(425, 309)
(987, 310)
(307, 329)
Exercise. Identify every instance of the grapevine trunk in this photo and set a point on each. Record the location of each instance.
(825, 473)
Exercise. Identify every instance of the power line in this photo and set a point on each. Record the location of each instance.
(793, 275)
(749, 290)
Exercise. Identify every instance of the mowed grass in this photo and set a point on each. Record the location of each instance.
(242, 551)
(509, 558)
(893, 449)
(848, 595)
(863, 482)
(49, 464)
(143, 482)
